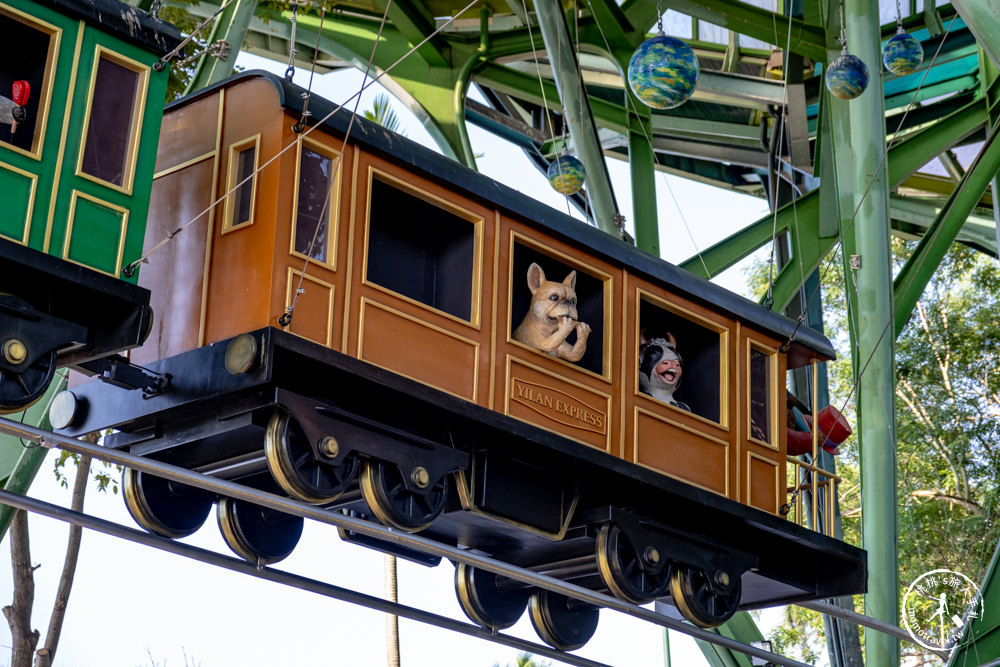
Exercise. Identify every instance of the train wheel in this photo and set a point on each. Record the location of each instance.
(630, 575)
(297, 470)
(259, 534)
(19, 391)
(486, 603)
(164, 507)
(385, 491)
(699, 600)
(563, 623)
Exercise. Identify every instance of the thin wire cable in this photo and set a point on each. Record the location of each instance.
(162, 62)
(298, 127)
(130, 268)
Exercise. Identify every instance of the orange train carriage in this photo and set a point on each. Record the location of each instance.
(394, 386)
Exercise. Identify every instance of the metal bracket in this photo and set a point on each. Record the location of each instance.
(118, 371)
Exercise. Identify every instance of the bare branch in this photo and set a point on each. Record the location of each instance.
(18, 613)
(932, 494)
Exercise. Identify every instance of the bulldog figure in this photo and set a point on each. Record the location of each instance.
(660, 369)
(552, 317)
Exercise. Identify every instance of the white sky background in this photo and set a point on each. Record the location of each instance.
(131, 602)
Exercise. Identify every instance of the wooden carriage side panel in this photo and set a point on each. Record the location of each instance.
(241, 263)
(421, 267)
(580, 400)
(694, 441)
(762, 442)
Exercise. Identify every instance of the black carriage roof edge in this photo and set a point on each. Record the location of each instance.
(478, 186)
(127, 22)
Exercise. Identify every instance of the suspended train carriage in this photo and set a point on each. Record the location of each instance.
(78, 136)
(374, 328)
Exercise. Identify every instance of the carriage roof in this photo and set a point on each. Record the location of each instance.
(124, 21)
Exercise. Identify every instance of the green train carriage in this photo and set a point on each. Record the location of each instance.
(79, 124)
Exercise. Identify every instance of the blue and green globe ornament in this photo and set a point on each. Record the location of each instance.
(663, 72)
(902, 54)
(847, 76)
(566, 174)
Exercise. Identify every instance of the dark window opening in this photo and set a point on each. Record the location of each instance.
(112, 115)
(23, 57)
(760, 395)
(243, 181)
(420, 250)
(698, 347)
(312, 215)
(589, 300)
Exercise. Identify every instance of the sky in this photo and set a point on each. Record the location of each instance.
(135, 606)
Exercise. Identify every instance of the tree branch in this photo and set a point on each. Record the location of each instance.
(932, 494)
(18, 613)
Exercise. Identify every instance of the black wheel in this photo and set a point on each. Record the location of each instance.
(632, 576)
(385, 491)
(259, 534)
(19, 391)
(486, 603)
(702, 601)
(295, 467)
(163, 507)
(563, 623)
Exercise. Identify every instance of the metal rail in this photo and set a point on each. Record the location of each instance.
(416, 542)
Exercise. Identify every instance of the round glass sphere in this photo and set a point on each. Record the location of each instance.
(902, 54)
(566, 174)
(663, 72)
(847, 76)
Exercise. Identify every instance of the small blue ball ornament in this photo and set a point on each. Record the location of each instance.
(663, 72)
(566, 174)
(902, 54)
(847, 76)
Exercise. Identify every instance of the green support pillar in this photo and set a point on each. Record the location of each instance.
(983, 19)
(872, 314)
(577, 112)
(642, 166)
(231, 27)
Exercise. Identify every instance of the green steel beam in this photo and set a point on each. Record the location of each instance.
(981, 641)
(414, 23)
(19, 464)
(920, 268)
(642, 163)
(641, 15)
(231, 26)
(912, 217)
(741, 628)
(770, 27)
(983, 19)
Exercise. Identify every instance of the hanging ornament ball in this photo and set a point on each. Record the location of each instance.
(566, 174)
(902, 54)
(847, 76)
(663, 72)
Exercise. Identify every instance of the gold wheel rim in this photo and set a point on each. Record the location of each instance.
(374, 494)
(607, 567)
(467, 598)
(541, 620)
(137, 506)
(683, 604)
(281, 466)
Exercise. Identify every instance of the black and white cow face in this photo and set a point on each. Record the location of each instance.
(660, 369)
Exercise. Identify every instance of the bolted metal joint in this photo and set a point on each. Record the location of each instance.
(420, 477)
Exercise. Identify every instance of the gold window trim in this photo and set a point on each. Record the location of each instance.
(231, 183)
(333, 210)
(76, 196)
(138, 113)
(772, 354)
(48, 78)
(725, 444)
(477, 222)
(31, 200)
(723, 331)
(575, 265)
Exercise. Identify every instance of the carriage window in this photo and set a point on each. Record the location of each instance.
(421, 250)
(113, 120)
(536, 316)
(317, 196)
(26, 52)
(680, 361)
(242, 184)
(760, 381)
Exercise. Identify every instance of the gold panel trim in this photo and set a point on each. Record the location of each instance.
(293, 282)
(210, 227)
(349, 269)
(777, 480)
(724, 342)
(51, 59)
(138, 114)
(31, 199)
(333, 209)
(229, 209)
(591, 390)
(475, 219)
(76, 196)
(773, 411)
(365, 301)
(606, 279)
(184, 165)
(718, 441)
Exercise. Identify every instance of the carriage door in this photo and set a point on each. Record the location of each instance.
(762, 432)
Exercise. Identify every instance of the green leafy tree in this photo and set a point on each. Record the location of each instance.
(526, 660)
(383, 113)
